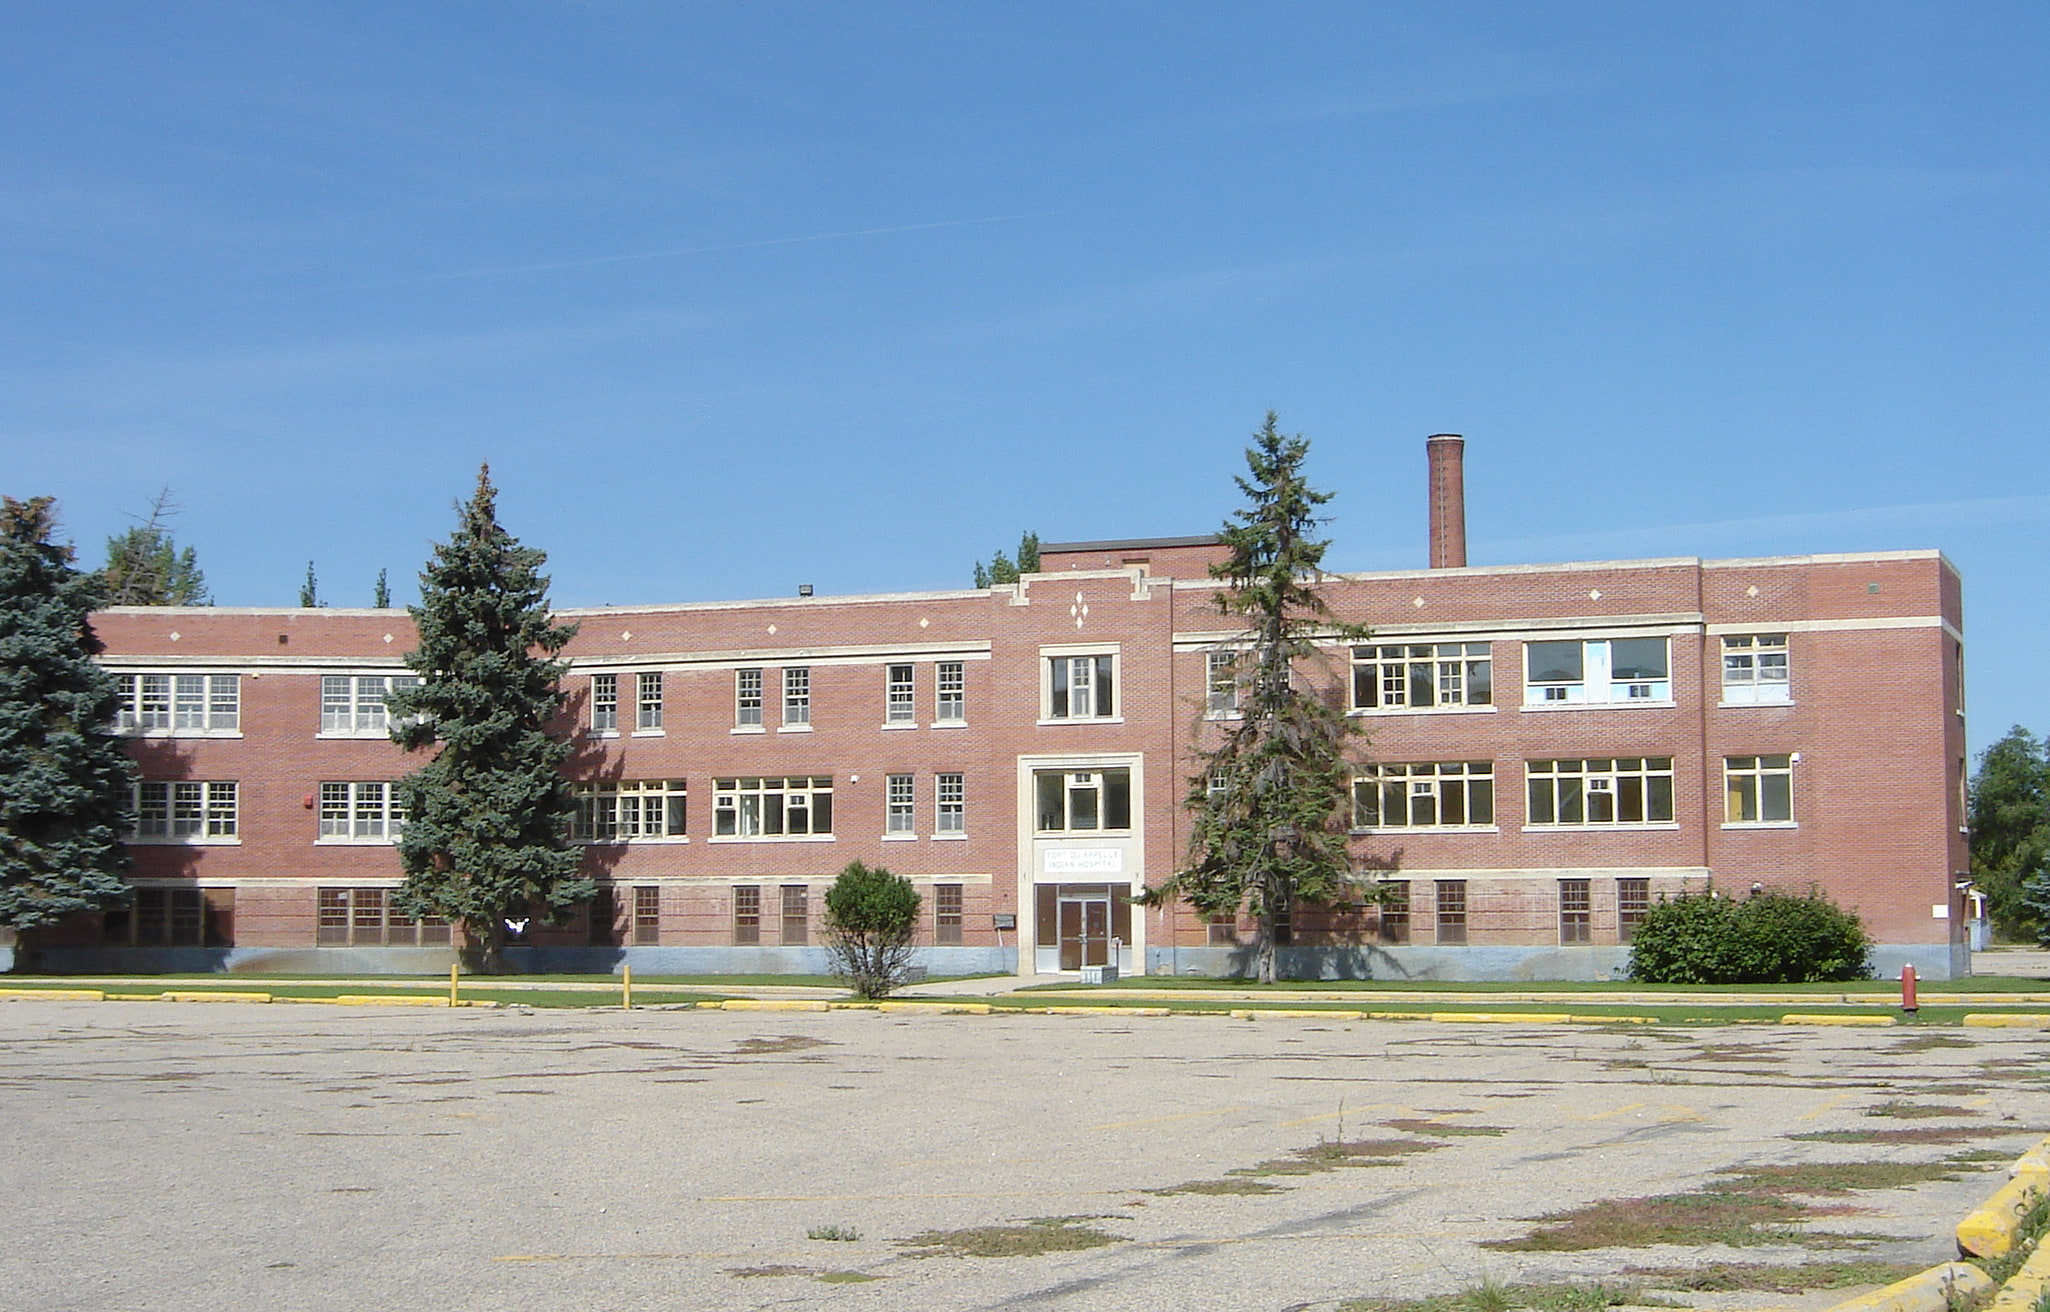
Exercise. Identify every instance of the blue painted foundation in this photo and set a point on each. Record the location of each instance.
(646, 961)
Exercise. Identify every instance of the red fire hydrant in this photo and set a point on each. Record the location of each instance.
(1908, 1003)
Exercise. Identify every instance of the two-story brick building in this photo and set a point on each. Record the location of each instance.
(1550, 748)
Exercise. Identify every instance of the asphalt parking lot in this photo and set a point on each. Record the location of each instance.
(173, 1156)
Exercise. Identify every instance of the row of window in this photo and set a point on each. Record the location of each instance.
(1622, 790)
(1449, 919)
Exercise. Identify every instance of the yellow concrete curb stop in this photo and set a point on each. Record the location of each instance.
(1302, 1013)
(1500, 1017)
(2024, 1290)
(54, 995)
(1795, 1018)
(1991, 1229)
(2011, 1020)
(768, 1004)
(388, 1000)
(1938, 1289)
(214, 995)
(943, 1008)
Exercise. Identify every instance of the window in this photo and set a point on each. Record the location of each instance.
(1422, 676)
(1755, 669)
(359, 813)
(368, 917)
(648, 703)
(953, 704)
(1608, 671)
(179, 703)
(1222, 682)
(1633, 899)
(647, 926)
(1455, 794)
(946, 914)
(902, 817)
(747, 914)
(173, 918)
(1452, 911)
(1575, 920)
(1625, 790)
(1081, 687)
(1394, 926)
(950, 810)
(605, 703)
(794, 897)
(185, 812)
(796, 696)
(1084, 800)
(1221, 929)
(617, 812)
(747, 698)
(772, 808)
(900, 696)
(353, 704)
(1758, 790)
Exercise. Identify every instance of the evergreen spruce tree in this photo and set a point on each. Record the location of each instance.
(2010, 819)
(380, 596)
(64, 778)
(1271, 798)
(146, 568)
(309, 591)
(1002, 569)
(484, 838)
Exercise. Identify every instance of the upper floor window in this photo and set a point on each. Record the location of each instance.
(796, 695)
(1081, 687)
(1755, 669)
(747, 698)
(1422, 676)
(605, 703)
(902, 801)
(180, 703)
(1083, 800)
(1624, 790)
(1456, 793)
(952, 704)
(648, 702)
(772, 808)
(616, 812)
(1221, 683)
(359, 812)
(353, 704)
(1758, 790)
(185, 811)
(900, 701)
(1604, 671)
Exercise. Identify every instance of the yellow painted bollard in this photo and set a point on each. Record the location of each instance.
(452, 970)
(626, 988)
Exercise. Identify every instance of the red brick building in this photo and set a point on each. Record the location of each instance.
(1550, 749)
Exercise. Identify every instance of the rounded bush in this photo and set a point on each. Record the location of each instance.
(1767, 938)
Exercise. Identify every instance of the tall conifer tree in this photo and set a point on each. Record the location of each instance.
(64, 777)
(485, 819)
(1270, 799)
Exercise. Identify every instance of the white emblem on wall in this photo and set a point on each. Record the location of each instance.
(1084, 861)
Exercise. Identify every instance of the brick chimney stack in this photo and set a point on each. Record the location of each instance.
(1448, 500)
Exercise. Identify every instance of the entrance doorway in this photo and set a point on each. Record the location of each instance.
(1082, 925)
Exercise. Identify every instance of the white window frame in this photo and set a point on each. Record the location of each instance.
(1423, 788)
(797, 697)
(950, 805)
(793, 808)
(747, 701)
(1756, 669)
(900, 804)
(648, 702)
(1097, 786)
(1592, 785)
(1598, 683)
(1762, 785)
(1221, 685)
(950, 698)
(175, 704)
(359, 812)
(354, 705)
(900, 694)
(1080, 685)
(631, 811)
(1423, 676)
(605, 704)
(186, 812)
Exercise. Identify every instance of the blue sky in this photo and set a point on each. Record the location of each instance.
(741, 296)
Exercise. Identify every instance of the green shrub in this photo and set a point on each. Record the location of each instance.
(1767, 938)
(871, 916)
